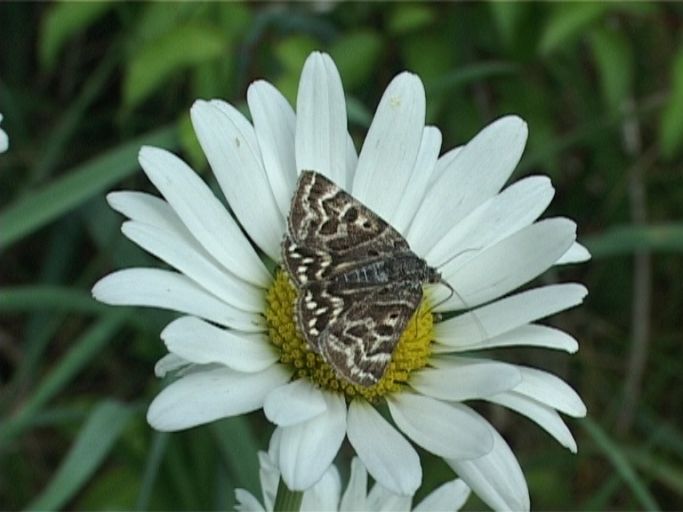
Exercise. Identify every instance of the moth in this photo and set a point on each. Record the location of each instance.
(358, 282)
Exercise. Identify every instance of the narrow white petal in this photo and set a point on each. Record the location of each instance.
(321, 136)
(293, 403)
(449, 496)
(307, 449)
(546, 417)
(507, 314)
(230, 145)
(147, 208)
(458, 378)
(205, 396)
(447, 430)
(180, 253)
(247, 502)
(169, 290)
(427, 155)
(324, 495)
(443, 163)
(391, 146)
(269, 476)
(475, 174)
(356, 491)
(514, 208)
(577, 253)
(169, 363)
(550, 390)
(386, 454)
(200, 342)
(507, 264)
(496, 477)
(351, 159)
(203, 214)
(530, 335)
(383, 500)
(275, 126)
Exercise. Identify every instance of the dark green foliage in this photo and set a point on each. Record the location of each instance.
(82, 86)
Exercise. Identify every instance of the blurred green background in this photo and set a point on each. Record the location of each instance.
(84, 85)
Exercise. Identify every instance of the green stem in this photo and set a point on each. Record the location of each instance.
(286, 500)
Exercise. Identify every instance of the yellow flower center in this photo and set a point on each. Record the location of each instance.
(411, 352)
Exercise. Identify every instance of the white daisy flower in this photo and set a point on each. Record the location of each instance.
(326, 493)
(237, 349)
(4, 140)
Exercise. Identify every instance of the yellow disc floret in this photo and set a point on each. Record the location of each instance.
(411, 352)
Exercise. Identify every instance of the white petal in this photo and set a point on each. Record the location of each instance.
(168, 290)
(447, 430)
(546, 417)
(386, 454)
(427, 155)
(169, 363)
(200, 342)
(576, 254)
(391, 146)
(269, 476)
(530, 335)
(443, 163)
(476, 173)
(324, 495)
(203, 214)
(464, 378)
(383, 500)
(449, 496)
(496, 477)
(508, 313)
(321, 136)
(247, 502)
(275, 126)
(351, 159)
(307, 449)
(514, 208)
(550, 390)
(209, 395)
(230, 145)
(147, 208)
(506, 265)
(190, 260)
(355, 495)
(293, 403)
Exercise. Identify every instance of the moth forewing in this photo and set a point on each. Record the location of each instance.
(358, 282)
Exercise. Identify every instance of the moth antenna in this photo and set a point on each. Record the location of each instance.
(460, 254)
(470, 311)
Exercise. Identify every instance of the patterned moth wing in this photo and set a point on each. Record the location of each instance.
(358, 281)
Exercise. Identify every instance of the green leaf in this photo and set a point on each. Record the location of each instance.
(614, 61)
(629, 239)
(152, 466)
(356, 56)
(39, 207)
(47, 298)
(507, 17)
(671, 128)
(83, 350)
(409, 17)
(63, 21)
(151, 66)
(614, 453)
(567, 21)
(93, 443)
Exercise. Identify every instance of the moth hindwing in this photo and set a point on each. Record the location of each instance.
(358, 283)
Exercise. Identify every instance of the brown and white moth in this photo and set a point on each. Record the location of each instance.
(357, 280)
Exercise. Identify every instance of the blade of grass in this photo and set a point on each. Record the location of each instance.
(657, 468)
(616, 456)
(28, 213)
(468, 74)
(149, 477)
(19, 299)
(239, 447)
(92, 445)
(622, 240)
(84, 349)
